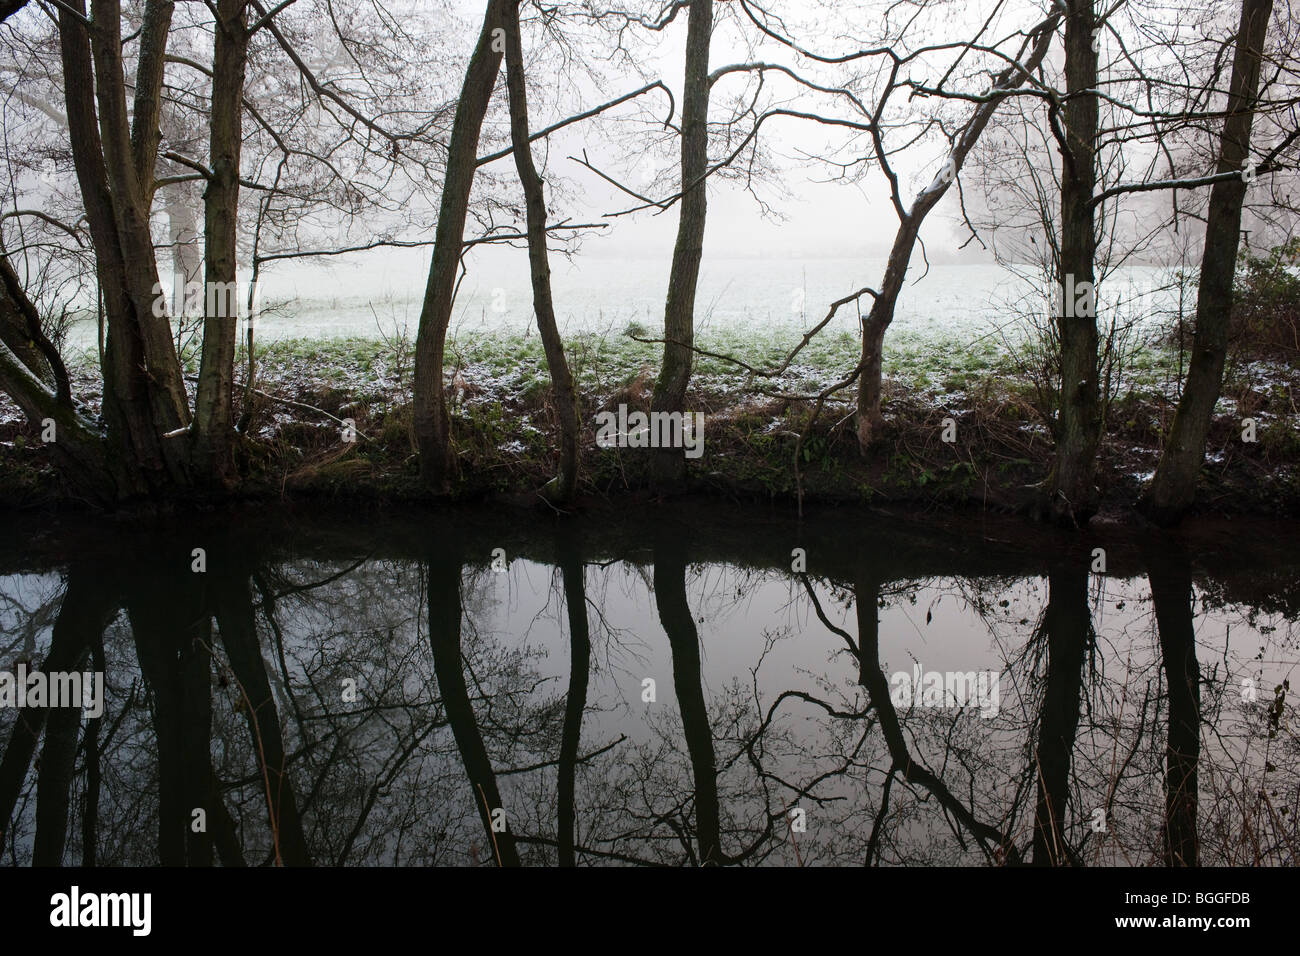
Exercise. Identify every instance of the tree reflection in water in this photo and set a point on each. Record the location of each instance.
(379, 694)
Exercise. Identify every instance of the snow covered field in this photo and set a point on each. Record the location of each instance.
(376, 294)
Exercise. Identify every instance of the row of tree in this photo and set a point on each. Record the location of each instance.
(336, 125)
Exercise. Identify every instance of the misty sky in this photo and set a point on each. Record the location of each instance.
(821, 218)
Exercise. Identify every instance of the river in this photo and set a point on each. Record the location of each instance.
(706, 684)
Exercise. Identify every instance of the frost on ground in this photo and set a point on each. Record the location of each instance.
(498, 391)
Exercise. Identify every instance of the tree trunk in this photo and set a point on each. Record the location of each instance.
(679, 624)
(668, 465)
(20, 330)
(144, 396)
(62, 730)
(54, 781)
(146, 120)
(225, 833)
(87, 608)
(1170, 575)
(876, 324)
(183, 235)
(171, 623)
(867, 584)
(1067, 627)
(569, 558)
(214, 409)
(1174, 486)
(94, 772)
(234, 613)
(156, 402)
(431, 421)
(78, 447)
(448, 666)
(565, 392)
(1069, 492)
(182, 211)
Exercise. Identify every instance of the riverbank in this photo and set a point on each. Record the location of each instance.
(962, 430)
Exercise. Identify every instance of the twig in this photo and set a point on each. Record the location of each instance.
(491, 832)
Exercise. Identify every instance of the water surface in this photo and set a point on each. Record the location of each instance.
(668, 687)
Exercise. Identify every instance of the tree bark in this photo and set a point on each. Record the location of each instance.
(1174, 487)
(214, 403)
(171, 624)
(876, 323)
(20, 330)
(146, 128)
(564, 391)
(668, 465)
(156, 384)
(1069, 494)
(432, 424)
(144, 396)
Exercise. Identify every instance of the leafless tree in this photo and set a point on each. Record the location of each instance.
(1174, 486)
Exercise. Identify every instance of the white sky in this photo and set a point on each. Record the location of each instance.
(821, 218)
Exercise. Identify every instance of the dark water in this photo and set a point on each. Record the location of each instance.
(380, 689)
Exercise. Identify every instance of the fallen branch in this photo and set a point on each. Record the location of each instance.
(311, 408)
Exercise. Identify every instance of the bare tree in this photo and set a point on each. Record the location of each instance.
(144, 396)
(876, 324)
(1174, 486)
(669, 464)
(150, 448)
(560, 488)
(432, 423)
(1069, 492)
